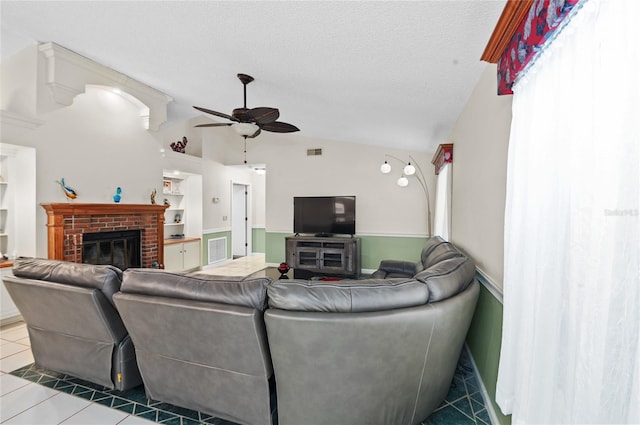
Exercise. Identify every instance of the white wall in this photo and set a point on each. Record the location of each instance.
(18, 82)
(383, 208)
(97, 144)
(481, 138)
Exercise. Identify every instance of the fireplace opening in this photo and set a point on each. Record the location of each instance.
(120, 249)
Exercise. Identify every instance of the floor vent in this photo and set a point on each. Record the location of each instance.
(217, 249)
(314, 152)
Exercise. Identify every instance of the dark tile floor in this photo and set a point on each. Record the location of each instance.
(463, 405)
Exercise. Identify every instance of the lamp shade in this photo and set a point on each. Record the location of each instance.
(409, 169)
(403, 181)
(385, 168)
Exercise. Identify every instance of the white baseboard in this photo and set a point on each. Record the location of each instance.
(10, 320)
(485, 394)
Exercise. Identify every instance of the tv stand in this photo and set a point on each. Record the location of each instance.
(333, 255)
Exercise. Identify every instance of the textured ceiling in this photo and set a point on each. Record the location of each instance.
(386, 73)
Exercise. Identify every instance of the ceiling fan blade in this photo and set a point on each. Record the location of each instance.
(263, 115)
(213, 125)
(255, 134)
(217, 114)
(279, 127)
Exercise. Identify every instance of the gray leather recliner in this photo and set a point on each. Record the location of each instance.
(74, 328)
(201, 341)
(374, 351)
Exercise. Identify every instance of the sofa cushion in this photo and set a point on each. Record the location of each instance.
(429, 246)
(105, 278)
(441, 252)
(242, 291)
(347, 296)
(447, 278)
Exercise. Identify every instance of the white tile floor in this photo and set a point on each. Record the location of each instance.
(242, 266)
(24, 402)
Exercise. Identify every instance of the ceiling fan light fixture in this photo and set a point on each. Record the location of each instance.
(245, 129)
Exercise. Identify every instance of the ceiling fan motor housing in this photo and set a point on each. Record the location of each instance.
(241, 114)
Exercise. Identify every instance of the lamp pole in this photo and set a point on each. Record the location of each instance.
(423, 182)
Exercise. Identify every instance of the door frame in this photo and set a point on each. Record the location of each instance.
(238, 215)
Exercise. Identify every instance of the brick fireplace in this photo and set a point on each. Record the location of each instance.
(67, 223)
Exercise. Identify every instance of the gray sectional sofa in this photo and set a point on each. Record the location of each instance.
(374, 351)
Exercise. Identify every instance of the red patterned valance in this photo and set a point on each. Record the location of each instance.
(443, 155)
(542, 19)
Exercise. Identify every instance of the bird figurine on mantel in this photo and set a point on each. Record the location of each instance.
(68, 192)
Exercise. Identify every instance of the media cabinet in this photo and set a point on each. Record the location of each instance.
(337, 255)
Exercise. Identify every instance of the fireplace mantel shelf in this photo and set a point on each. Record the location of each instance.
(68, 222)
(87, 208)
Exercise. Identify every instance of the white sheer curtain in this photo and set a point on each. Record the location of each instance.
(571, 333)
(442, 216)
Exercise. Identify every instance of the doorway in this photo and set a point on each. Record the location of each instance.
(240, 220)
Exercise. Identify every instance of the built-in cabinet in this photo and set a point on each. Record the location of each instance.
(330, 256)
(182, 220)
(17, 215)
(181, 255)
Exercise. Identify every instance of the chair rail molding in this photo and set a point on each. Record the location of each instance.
(67, 74)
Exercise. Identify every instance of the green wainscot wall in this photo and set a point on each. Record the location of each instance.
(374, 248)
(484, 341)
(205, 244)
(258, 239)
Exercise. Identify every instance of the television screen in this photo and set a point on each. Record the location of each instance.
(324, 215)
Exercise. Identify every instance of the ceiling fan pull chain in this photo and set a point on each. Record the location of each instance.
(245, 149)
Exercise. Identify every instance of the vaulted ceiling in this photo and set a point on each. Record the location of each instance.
(390, 73)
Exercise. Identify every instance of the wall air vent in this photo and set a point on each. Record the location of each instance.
(217, 248)
(314, 152)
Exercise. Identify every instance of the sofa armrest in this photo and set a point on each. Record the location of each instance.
(398, 267)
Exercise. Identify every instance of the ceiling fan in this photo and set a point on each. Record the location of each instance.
(250, 122)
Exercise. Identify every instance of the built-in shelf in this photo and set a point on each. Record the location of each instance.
(174, 224)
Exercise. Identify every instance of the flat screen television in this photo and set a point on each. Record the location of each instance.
(324, 215)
